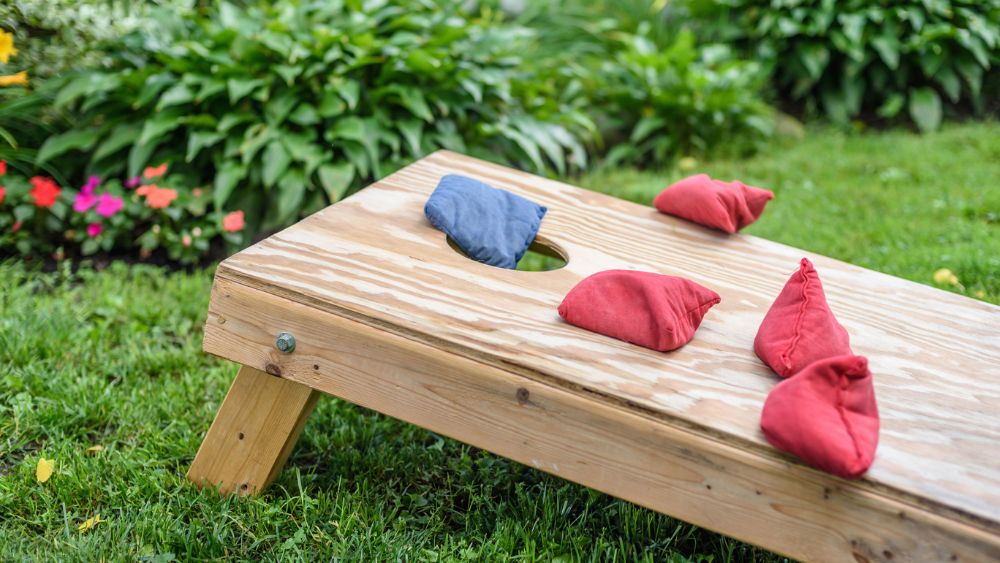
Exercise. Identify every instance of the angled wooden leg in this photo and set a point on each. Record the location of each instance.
(253, 433)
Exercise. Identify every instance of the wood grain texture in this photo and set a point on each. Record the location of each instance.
(935, 356)
(253, 433)
(756, 495)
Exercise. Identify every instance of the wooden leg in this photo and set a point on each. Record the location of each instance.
(253, 433)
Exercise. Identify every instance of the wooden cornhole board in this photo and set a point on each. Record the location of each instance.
(387, 315)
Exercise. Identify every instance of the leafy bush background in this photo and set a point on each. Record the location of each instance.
(854, 58)
(285, 108)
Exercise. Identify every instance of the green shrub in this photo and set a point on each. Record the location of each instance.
(654, 91)
(681, 99)
(284, 107)
(855, 58)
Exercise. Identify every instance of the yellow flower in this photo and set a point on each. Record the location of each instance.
(945, 276)
(19, 79)
(687, 163)
(7, 49)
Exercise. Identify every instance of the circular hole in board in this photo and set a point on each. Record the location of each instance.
(541, 256)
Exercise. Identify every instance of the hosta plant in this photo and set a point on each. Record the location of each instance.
(284, 107)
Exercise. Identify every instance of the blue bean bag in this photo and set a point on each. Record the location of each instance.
(490, 225)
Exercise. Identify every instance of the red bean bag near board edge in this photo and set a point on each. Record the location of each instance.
(826, 415)
(800, 327)
(652, 310)
(727, 206)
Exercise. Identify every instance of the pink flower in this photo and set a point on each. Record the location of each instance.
(186, 240)
(16, 227)
(233, 222)
(84, 200)
(92, 183)
(94, 229)
(108, 205)
(133, 182)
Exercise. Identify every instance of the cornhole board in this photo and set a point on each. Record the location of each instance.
(387, 315)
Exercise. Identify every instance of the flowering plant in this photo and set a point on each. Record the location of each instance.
(138, 217)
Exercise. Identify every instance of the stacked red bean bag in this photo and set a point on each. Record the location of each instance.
(824, 410)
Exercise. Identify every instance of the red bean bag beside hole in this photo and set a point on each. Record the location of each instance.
(826, 415)
(800, 327)
(652, 310)
(727, 206)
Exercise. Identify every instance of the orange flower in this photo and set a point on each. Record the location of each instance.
(233, 222)
(154, 171)
(145, 190)
(160, 198)
(19, 79)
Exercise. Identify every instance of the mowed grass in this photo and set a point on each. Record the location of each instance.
(113, 359)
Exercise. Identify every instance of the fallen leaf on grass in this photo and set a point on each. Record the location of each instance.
(90, 523)
(44, 469)
(95, 449)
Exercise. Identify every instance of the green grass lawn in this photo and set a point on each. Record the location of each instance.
(112, 359)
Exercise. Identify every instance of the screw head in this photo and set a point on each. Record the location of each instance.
(285, 342)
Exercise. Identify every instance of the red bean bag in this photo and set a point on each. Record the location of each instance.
(826, 415)
(727, 206)
(800, 327)
(652, 310)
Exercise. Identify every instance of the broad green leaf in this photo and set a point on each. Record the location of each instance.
(291, 189)
(541, 135)
(240, 87)
(358, 157)
(139, 156)
(177, 94)
(527, 145)
(925, 109)
(226, 178)
(199, 140)
(302, 148)
(209, 88)
(335, 179)
(950, 83)
(892, 106)
(70, 140)
(254, 138)
(888, 49)
(276, 160)
(158, 125)
(288, 72)
(814, 57)
(412, 131)
(122, 135)
(278, 107)
(88, 84)
(364, 131)
(305, 115)
(350, 90)
(230, 120)
(646, 126)
(152, 88)
(24, 212)
(413, 100)
(331, 105)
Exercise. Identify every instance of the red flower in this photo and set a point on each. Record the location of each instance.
(45, 191)
(3, 167)
(3, 191)
(16, 227)
(233, 222)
